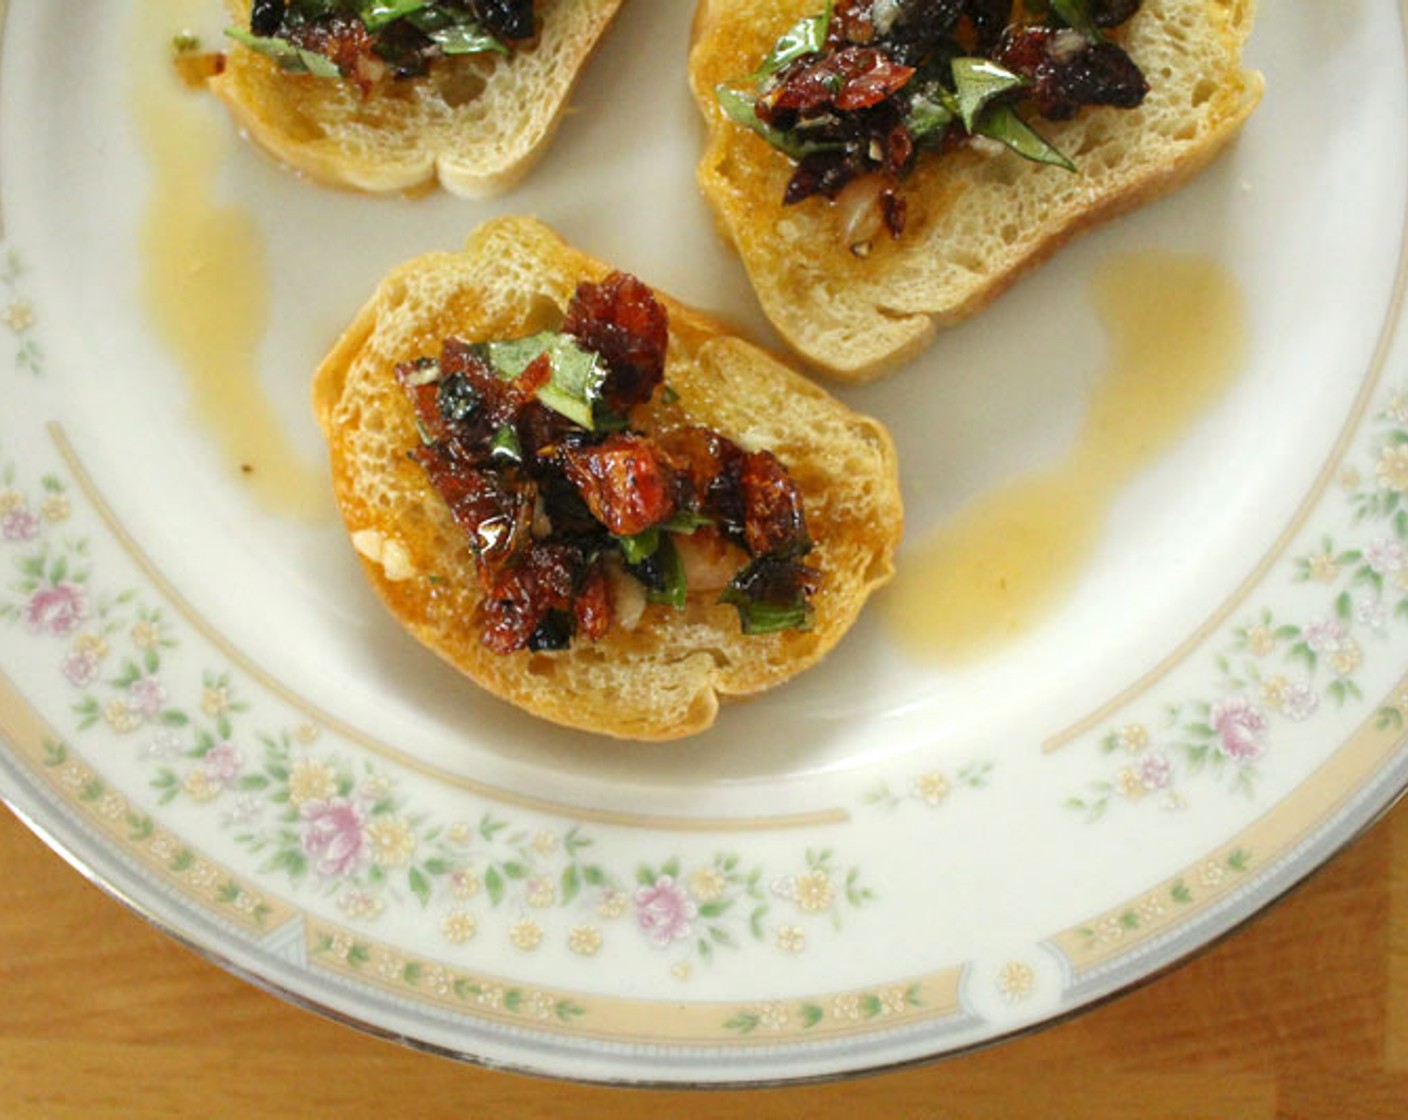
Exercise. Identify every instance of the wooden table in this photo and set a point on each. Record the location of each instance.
(1303, 1014)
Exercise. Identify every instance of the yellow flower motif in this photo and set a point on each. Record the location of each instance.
(584, 940)
(1130, 784)
(540, 893)
(1261, 640)
(526, 935)
(545, 843)
(539, 1005)
(1273, 691)
(390, 967)
(75, 775)
(846, 1008)
(199, 788)
(773, 1017)
(437, 980)
(791, 939)
(393, 843)
(613, 904)
(112, 806)
(19, 316)
(490, 995)
(215, 701)
(1212, 873)
(1348, 658)
(10, 501)
(55, 508)
(1350, 478)
(1323, 568)
(893, 1001)
(310, 781)
(931, 788)
(465, 882)
(1392, 469)
(91, 644)
(120, 717)
(145, 635)
(1134, 737)
(460, 834)
(1016, 981)
(813, 892)
(459, 927)
(306, 733)
(361, 905)
(682, 970)
(707, 884)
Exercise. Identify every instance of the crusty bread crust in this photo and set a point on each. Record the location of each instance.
(664, 679)
(476, 124)
(977, 222)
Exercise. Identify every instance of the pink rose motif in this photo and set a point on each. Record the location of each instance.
(80, 668)
(20, 525)
(146, 696)
(222, 763)
(1240, 727)
(664, 912)
(57, 610)
(1324, 635)
(1155, 772)
(335, 837)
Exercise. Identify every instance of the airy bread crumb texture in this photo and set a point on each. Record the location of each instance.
(663, 679)
(476, 124)
(977, 221)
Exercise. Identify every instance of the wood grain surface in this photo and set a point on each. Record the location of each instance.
(1303, 1014)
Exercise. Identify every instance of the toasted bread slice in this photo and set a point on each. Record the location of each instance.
(977, 221)
(475, 123)
(664, 678)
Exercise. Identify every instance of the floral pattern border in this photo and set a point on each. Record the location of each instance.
(1278, 668)
(343, 829)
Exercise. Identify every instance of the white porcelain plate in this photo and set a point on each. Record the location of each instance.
(887, 860)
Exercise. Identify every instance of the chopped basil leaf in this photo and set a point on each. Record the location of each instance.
(686, 521)
(674, 591)
(742, 108)
(770, 595)
(977, 81)
(379, 13)
(577, 374)
(1001, 123)
(455, 32)
(806, 36)
(931, 110)
(641, 547)
(505, 445)
(1077, 14)
(293, 59)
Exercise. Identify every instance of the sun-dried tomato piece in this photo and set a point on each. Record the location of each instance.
(524, 595)
(773, 522)
(627, 482)
(592, 606)
(621, 320)
(852, 78)
(1063, 81)
(494, 510)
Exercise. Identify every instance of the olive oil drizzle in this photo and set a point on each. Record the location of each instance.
(1005, 562)
(205, 273)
